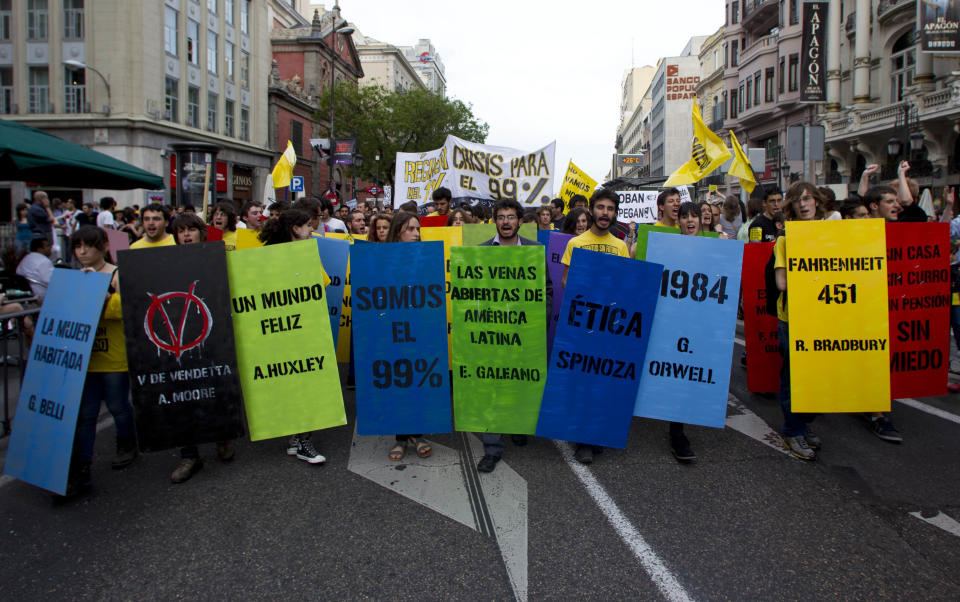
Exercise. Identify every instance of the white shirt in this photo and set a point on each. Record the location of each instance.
(105, 219)
(37, 269)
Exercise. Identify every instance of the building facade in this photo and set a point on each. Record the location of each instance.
(635, 103)
(709, 91)
(672, 94)
(385, 65)
(129, 79)
(425, 60)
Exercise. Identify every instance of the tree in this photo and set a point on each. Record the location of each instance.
(402, 121)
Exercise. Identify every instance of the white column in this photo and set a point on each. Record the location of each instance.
(924, 73)
(834, 26)
(861, 53)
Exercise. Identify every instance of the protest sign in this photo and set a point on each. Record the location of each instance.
(214, 234)
(555, 248)
(759, 327)
(598, 353)
(543, 236)
(342, 337)
(498, 337)
(334, 254)
(117, 240)
(643, 232)
(838, 316)
(475, 172)
(433, 221)
(575, 181)
(450, 236)
(640, 206)
(686, 375)
(41, 443)
(290, 380)
(248, 239)
(180, 347)
(918, 279)
(474, 234)
(400, 321)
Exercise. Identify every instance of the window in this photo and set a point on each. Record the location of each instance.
(794, 15)
(780, 75)
(716, 59)
(72, 19)
(740, 97)
(5, 19)
(212, 6)
(228, 118)
(228, 11)
(193, 106)
(228, 59)
(794, 83)
(749, 92)
(74, 90)
(768, 85)
(903, 60)
(733, 53)
(212, 112)
(296, 136)
(244, 120)
(39, 90)
(245, 17)
(735, 12)
(756, 88)
(193, 37)
(171, 34)
(171, 100)
(211, 52)
(244, 68)
(6, 90)
(726, 55)
(723, 107)
(37, 19)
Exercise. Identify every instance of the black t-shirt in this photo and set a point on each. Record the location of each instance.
(86, 220)
(912, 213)
(558, 223)
(767, 226)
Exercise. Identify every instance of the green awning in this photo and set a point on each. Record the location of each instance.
(31, 155)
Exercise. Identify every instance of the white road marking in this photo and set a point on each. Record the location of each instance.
(740, 341)
(929, 409)
(941, 520)
(751, 425)
(652, 564)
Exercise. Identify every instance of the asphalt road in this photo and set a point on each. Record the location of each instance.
(745, 521)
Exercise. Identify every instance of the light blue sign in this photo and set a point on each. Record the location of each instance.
(334, 254)
(598, 352)
(686, 375)
(400, 336)
(42, 439)
(296, 184)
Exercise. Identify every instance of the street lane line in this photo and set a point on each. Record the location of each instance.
(740, 341)
(929, 409)
(658, 571)
(941, 520)
(751, 425)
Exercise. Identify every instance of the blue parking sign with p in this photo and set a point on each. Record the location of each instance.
(296, 184)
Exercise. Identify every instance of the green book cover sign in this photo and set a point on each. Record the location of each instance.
(644, 230)
(474, 234)
(287, 363)
(499, 337)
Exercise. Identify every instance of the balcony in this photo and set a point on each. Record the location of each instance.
(761, 15)
(888, 9)
(758, 47)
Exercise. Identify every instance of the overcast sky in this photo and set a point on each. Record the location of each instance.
(542, 70)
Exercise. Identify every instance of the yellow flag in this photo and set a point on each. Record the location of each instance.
(576, 181)
(741, 167)
(708, 153)
(283, 170)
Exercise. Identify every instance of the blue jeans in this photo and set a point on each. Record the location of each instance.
(794, 425)
(114, 389)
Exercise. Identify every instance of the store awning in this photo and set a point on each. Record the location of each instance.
(31, 155)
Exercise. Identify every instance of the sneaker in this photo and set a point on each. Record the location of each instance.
(799, 448)
(813, 439)
(487, 463)
(126, 454)
(293, 445)
(884, 429)
(681, 449)
(186, 469)
(308, 453)
(584, 454)
(225, 451)
(953, 387)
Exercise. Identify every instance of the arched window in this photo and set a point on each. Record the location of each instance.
(903, 60)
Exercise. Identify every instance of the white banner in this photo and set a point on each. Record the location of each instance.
(475, 173)
(640, 206)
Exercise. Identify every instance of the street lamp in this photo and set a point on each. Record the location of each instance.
(377, 159)
(909, 141)
(80, 65)
(343, 30)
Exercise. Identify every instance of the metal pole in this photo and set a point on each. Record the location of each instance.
(333, 69)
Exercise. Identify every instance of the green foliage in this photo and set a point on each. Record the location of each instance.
(402, 121)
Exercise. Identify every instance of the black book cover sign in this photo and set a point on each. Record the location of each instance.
(180, 347)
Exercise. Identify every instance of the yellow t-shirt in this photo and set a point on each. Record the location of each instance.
(590, 241)
(109, 352)
(230, 239)
(143, 243)
(780, 261)
(659, 223)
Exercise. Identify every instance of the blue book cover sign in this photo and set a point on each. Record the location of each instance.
(334, 254)
(42, 439)
(687, 374)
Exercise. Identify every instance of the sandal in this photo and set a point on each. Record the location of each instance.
(423, 448)
(396, 454)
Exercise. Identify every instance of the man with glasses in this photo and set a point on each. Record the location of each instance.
(764, 228)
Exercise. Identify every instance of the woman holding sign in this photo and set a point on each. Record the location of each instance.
(291, 225)
(405, 227)
(107, 377)
(801, 203)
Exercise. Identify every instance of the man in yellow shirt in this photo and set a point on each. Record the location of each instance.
(668, 203)
(155, 218)
(441, 200)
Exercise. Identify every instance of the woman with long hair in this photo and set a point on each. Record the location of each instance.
(378, 227)
(24, 234)
(577, 222)
(458, 217)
